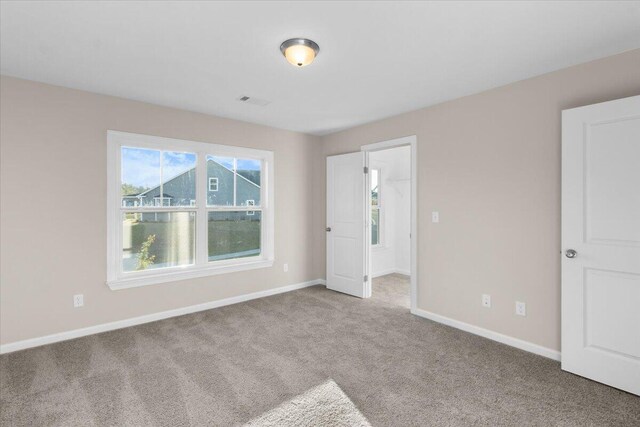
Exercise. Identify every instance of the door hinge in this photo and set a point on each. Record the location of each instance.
(366, 169)
(366, 278)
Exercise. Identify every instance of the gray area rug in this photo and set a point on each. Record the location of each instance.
(325, 405)
(230, 365)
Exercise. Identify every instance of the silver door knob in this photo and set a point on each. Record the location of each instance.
(328, 229)
(570, 253)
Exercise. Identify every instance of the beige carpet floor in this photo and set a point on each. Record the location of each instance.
(325, 405)
(231, 365)
(394, 289)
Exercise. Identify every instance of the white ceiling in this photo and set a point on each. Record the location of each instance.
(377, 59)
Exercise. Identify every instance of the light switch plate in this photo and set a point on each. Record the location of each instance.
(435, 216)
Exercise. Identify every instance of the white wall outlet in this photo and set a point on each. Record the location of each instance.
(285, 267)
(435, 216)
(486, 301)
(521, 308)
(78, 300)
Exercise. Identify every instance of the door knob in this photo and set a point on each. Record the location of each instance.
(328, 229)
(570, 253)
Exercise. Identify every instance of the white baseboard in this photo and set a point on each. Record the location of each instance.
(486, 333)
(105, 327)
(383, 273)
(390, 271)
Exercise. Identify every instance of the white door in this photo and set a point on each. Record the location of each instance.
(601, 242)
(346, 266)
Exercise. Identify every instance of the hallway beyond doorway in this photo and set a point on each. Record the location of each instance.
(392, 289)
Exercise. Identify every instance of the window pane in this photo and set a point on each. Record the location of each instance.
(234, 234)
(248, 182)
(140, 172)
(233, 182)
(153, 240)
(375, 226)
(179, 179)
(220, 181)
(375, 193)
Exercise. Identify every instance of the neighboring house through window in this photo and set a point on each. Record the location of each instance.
(180, 209)
(251, 203)
(164, 200)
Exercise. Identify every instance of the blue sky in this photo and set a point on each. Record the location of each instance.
(141, 167)
(243, 164)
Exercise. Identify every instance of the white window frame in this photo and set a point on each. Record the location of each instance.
(379, 209)
(117, 279)
(213, 180)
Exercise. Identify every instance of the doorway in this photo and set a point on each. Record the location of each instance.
(390, 225)
(349, 214)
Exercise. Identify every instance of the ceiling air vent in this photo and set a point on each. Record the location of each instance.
(254, 101)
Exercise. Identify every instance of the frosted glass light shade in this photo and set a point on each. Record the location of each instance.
(299, 52)
(300, 55)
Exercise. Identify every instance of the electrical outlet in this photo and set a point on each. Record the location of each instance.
(521, 308)
(78, 300)
(285, 267)
(486, 301)
(435, 216)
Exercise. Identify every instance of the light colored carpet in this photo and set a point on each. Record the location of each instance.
(392, 289)
(230, 365)
(325, 405)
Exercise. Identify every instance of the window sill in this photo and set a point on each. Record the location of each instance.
(193, 273)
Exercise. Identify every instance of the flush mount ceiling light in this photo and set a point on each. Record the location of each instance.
(299, 52)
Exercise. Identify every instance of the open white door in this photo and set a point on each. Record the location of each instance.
(346, 225)
(601, 242)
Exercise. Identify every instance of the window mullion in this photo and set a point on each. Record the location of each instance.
(201, 210)
(161, 179)
(235, 181)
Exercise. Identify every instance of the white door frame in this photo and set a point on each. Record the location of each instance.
(412, 142)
